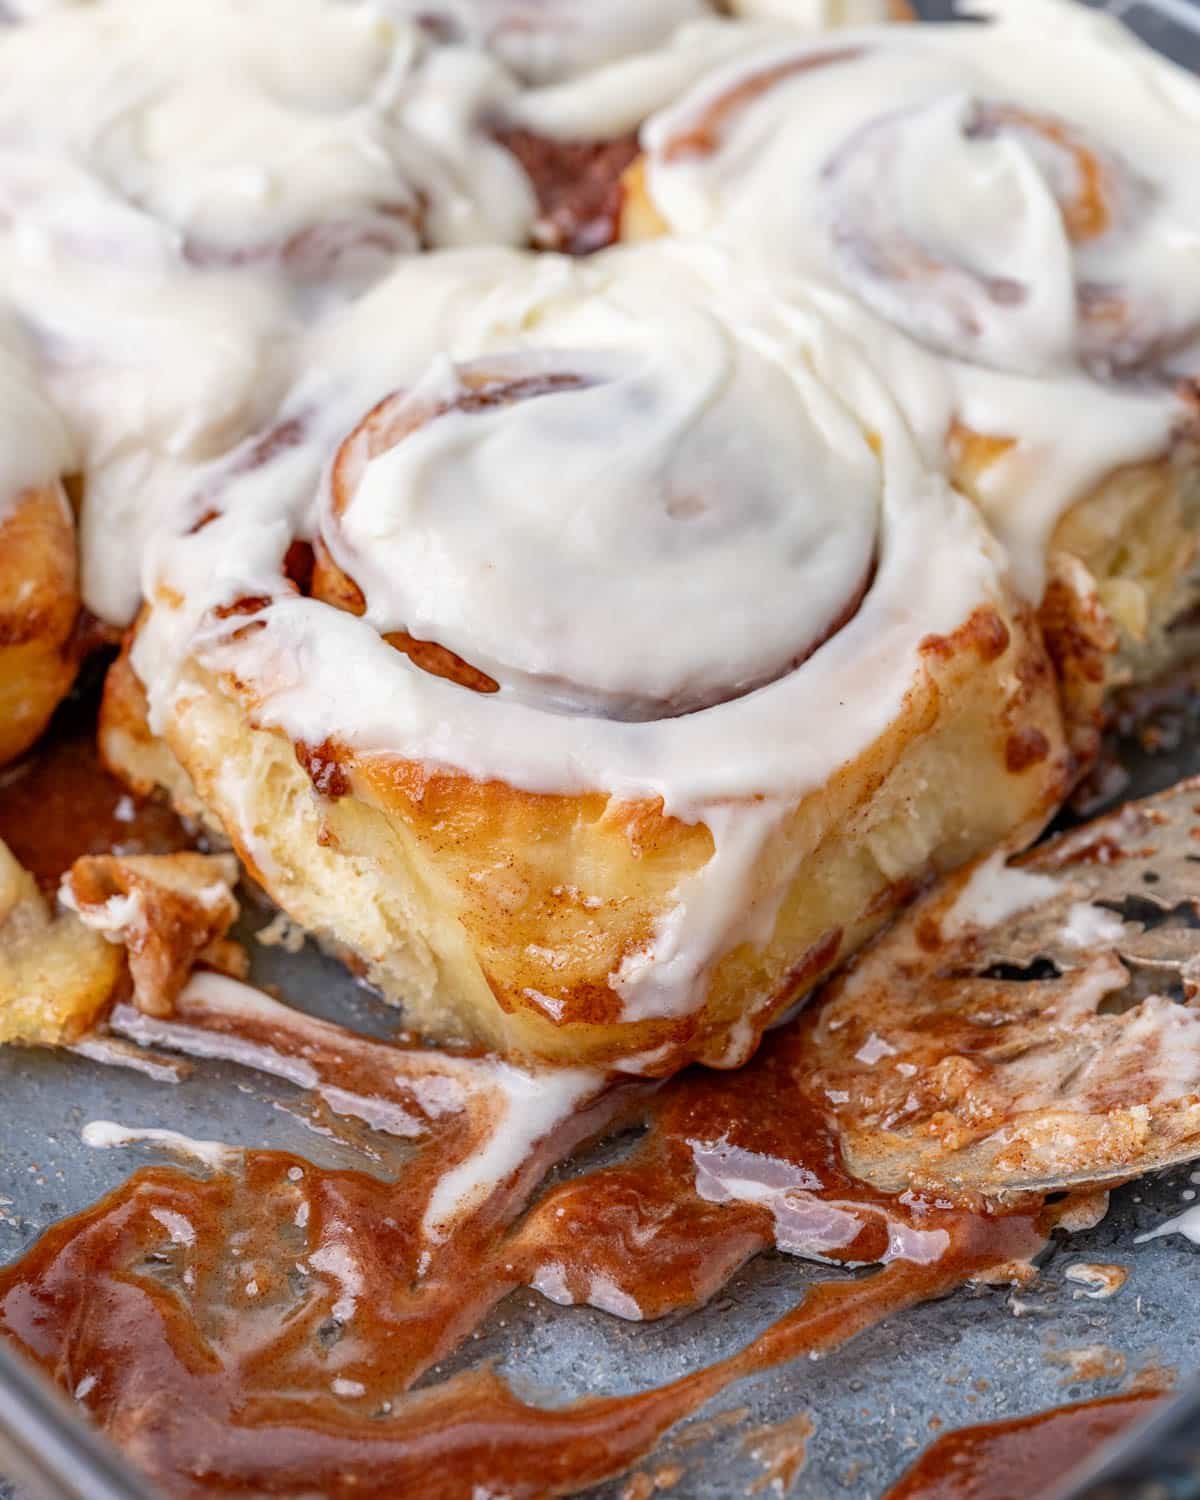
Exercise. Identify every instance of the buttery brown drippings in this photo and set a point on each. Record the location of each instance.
(993, 1461)
(262, 1330)
(59, 803)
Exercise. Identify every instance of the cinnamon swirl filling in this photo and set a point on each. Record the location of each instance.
(1075, 207)
(1004, 218)
(597, 533)
(630, 543)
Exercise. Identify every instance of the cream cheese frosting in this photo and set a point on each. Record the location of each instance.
(35, 445)
(678, 501)
(764, 454)
(1013, 202)
(547, 41)
(183, 188)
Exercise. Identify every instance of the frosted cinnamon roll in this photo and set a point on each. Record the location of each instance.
(39, 591)
(1010, 211)
(594, 665)
(181, 193)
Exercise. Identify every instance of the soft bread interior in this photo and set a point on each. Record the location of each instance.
(56, 976)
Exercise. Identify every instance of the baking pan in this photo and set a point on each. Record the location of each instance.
(983, 1354)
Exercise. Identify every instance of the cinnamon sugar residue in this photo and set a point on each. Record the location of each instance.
(276, 1326)
(324, 769)
(1088, 1363)
(781, 1449)
(645, 1485)
(1096, 1280)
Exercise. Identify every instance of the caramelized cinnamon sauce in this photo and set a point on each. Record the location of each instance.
(59, 802)
(994, 1460)
(263, 1330)
(274, 1329)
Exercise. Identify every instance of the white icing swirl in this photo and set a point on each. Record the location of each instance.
(617, 96)
(35, 446)
(304, 131)
(183, 187)
(660, 332)
(33, 10)
(1017, 198)
(514, 479)
(546, 41)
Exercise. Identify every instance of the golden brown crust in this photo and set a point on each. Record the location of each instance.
(39, 603)
(134, 924)
(131, 751)
(504, 914)
(56, 977)
(1136, 534)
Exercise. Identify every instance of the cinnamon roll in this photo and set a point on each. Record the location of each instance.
(181, 194)
(596, 663)
(1008, 217)
(39, 593)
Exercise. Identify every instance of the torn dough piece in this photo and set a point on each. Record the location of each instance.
(168, 911)
(1030, 1025)
(56, 975)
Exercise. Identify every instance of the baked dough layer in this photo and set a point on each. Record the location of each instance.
(595, 757)
(1137, 533)
(39, 600)
(501, 915)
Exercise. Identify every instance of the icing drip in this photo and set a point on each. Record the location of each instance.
(291, 1318)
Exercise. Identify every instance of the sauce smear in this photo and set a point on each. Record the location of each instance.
(271, 1329)
(275, 1327)
(60, 803)
(994, 1460)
